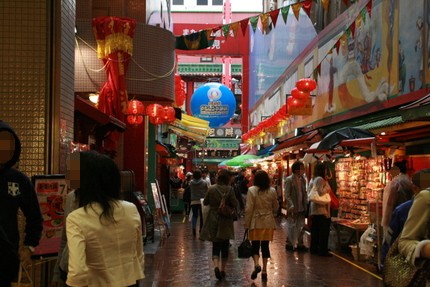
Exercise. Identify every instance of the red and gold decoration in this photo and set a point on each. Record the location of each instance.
(135, 112)
(300, 102)
(169, 114)
(114, 38)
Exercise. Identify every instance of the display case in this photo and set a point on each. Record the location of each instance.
(359, 183)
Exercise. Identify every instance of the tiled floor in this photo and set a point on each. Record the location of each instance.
(181, 260)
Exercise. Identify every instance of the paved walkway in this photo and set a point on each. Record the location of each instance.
(181, 260)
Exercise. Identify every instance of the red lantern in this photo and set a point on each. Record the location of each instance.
(156, 120)
(306, 84)
(299, 94)
(155, 113)
(135, 112)
(179, 91)
(169, 114)
(295, 103)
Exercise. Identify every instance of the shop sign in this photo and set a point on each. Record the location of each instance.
(225, 132)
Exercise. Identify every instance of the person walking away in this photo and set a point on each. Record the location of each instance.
(16, 193)
(320, 213)
(218, 228)
(187, 193)
(260, 212)
(296, 202)
(104, 234)
(198, 187)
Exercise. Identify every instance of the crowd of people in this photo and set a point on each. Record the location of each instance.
(102, 230)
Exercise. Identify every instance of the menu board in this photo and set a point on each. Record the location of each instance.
(51, 191)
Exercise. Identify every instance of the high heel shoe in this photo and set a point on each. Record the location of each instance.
(257, 269)
(264, 276)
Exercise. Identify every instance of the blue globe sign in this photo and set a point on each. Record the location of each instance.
(213, 102)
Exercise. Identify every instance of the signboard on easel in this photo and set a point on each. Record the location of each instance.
(51, 192)
(163, 217)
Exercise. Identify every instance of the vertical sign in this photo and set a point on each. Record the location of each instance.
(51, 192)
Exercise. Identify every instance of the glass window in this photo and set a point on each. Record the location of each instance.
(217, 2)
(202, 2)
(178, 2)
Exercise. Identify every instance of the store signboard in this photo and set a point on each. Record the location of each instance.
(51, 192)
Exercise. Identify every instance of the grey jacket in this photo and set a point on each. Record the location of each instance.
(198, 189)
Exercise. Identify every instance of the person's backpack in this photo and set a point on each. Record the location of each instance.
(224, 209)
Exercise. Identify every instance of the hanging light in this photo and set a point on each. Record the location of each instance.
(135, 112)
(306, 84)
(155, 113)
(169, 114)
(300, 94)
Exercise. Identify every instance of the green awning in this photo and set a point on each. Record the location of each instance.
(222, 143)
(382, 123)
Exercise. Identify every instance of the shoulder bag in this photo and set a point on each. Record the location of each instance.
(244, 250)
(224, 209)
(399, 272)
(316, 198)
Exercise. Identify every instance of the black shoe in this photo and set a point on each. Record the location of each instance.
(289, 247)
(325, 254)
(218, 273)
(257, 270)
(194, 232)
(223, 274)
(302, 248)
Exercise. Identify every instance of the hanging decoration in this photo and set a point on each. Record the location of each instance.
(135, 112)
(179, 91)
(306, 85)
(169, 114)
(155, 113)
(114, 38)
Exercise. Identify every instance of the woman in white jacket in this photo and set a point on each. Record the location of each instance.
(104, 235)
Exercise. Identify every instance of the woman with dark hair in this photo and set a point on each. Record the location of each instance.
(320, 212)
(198, 188)
(218, 228)
(104, 235)
(260, 212)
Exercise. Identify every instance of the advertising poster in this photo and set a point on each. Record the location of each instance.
(51, 191)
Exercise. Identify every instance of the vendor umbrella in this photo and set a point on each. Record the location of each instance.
(311, 157)
(223, 164)
(332, 139)
(243, 160)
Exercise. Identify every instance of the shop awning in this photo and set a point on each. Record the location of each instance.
(298, 142)
(165, 150)
(418, 110)
(381, 123)
(267, 150)
(94, 114)
(190, 127)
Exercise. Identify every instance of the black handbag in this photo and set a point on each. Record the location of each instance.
(244, 250)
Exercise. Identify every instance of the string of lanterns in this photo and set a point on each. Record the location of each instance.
(300, 94)
(157, 113)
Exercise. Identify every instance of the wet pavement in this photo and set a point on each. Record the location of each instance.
(182, 260)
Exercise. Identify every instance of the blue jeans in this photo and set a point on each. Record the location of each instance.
(197, 212)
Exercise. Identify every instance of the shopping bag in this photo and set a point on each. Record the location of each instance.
(334, 201)
(24, 278)
(244, 250)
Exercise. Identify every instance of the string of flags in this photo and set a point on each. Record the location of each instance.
(205, 38)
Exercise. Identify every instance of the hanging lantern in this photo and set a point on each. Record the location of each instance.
(179, 90)
(294, 103)
(169, 114)
(299, 94)
(306, 84)
(135, 112)
(155, 113)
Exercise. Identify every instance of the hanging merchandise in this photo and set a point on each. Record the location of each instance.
(135, 112)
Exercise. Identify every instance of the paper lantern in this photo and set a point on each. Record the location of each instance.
(156, 120)
(300, 95)
(294, 103)
(179, 90)
(169, 114)
(155, 110)
(306, 85)
(135, 112)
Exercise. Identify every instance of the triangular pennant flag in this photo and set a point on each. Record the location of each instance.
(318, 71)
(352, 28)
(284, 13)
(225, 29)
(307, 5)
(244, 26)
(337, 46)
(296, 9)
(234, 27)
(369, 8)
(346, 2)
(315, 74)
(264, 21)
(325, 4)
(254, 22)
(358, 21)
(363, 15)
(274, 16)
